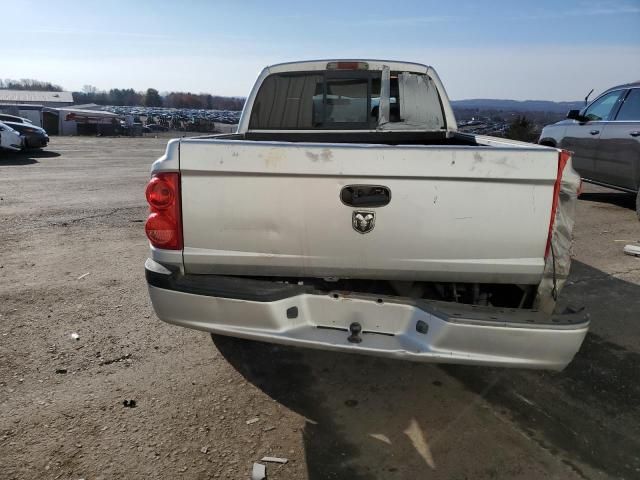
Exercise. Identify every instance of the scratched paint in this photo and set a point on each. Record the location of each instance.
(325, 155)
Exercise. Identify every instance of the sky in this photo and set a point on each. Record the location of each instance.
(535, 49)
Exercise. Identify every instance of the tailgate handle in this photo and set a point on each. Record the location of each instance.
(370, 196)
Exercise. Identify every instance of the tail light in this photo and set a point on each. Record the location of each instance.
(563, 158)
(347, 66)
(164, 225)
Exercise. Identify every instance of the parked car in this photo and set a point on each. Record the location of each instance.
(604, 138)
(12, 118)
(34, 137)
(10, 139)
(154, 127)
(321, 224)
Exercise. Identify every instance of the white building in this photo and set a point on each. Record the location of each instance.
(29, 104)
(55, 112)
(29, 97)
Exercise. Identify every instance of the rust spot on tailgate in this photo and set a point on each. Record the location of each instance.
(273, 157)
(326, 155)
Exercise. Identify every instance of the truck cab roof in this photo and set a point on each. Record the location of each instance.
(347, 95)
(322, 64)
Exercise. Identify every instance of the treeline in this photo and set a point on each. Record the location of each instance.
(29, 84)
(131, 97)
(521, 128)
(115, 96)
(202, 100)
(152, 98)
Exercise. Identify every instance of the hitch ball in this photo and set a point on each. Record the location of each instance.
(355, 329)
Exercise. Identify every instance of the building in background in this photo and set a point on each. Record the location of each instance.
(30, 97)
(32, 112)
(31, 104)
(67, 120)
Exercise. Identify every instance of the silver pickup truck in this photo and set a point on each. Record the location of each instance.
(348, 214)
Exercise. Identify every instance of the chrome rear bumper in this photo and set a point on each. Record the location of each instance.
(390, 326)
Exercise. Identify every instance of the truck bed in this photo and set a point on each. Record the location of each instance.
(355, 137)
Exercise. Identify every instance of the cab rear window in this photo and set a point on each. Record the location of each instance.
(316, 100)
(344, 100)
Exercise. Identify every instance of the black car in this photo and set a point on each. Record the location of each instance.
(34, 137)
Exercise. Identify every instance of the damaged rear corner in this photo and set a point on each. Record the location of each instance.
(558, 257)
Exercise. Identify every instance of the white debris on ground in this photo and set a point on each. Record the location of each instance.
(633, 250)
(259, 472)
(274, 459)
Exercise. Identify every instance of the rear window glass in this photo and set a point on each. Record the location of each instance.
(347, 101)
(344, 100)
(338, 100)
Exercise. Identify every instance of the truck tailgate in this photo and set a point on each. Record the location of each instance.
(463, 214)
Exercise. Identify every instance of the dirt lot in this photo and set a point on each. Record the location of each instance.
(72, 259)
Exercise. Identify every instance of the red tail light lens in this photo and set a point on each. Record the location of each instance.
(160, 230)
(347, 66)
(160, 193)
(164, 225)
(563, 158)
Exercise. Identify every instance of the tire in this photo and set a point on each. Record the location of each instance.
(638, 204)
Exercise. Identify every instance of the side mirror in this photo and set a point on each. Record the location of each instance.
(575, 115)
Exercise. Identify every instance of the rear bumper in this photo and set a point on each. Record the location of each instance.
(391, 326)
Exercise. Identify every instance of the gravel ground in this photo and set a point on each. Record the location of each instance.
(72, 259)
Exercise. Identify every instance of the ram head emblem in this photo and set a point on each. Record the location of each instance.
(363, 222)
